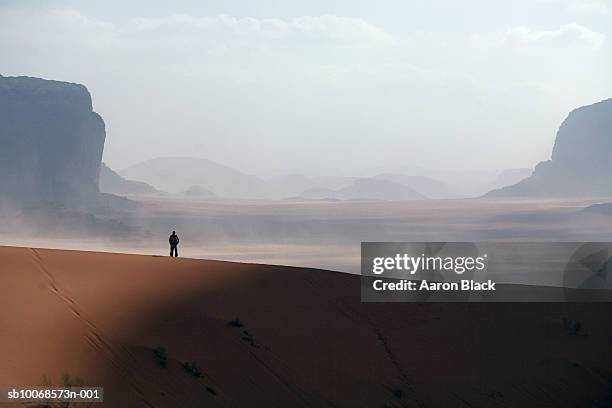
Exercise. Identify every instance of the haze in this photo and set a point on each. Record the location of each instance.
(269, 87)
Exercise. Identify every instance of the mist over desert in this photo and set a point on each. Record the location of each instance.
(318, 233)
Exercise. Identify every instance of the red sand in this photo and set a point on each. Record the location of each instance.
(98, 317)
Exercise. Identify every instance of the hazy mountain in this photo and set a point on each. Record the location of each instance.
(51, 141)
(427, 186)
(112, 182)
(601, 209)
(367, 189)
(580, 163)
(444, 183)
(198, 191)
(177, 174)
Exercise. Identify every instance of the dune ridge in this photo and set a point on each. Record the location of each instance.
(309, 340)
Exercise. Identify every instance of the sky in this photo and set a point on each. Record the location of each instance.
(321, 87)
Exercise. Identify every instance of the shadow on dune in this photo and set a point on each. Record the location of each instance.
(307, 340)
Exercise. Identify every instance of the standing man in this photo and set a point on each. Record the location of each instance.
(174, 241)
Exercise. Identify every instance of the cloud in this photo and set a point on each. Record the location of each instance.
(62, 27)
(194, 43)
(73, 27)
(569, 34)
(600, 7)
(326, 29)
(520, 37)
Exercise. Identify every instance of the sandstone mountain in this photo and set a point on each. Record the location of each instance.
(580, 165)
(51, 141)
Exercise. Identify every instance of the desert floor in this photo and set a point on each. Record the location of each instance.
(310, 341)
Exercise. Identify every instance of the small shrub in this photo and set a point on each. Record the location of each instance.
(248, 337)
(573, 327)
(160, 356)
(397, 393)
(193, 369)
(68, 381)
(235, 323)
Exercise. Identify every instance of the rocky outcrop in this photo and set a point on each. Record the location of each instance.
(51, 141)
(581, 163)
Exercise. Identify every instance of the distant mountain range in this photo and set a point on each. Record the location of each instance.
(198, 177)
(205, 178)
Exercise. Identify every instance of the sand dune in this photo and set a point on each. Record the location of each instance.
(99, 316)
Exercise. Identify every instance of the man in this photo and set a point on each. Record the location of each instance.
(174, 241)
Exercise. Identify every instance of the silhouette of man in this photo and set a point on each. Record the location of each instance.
(174, 241)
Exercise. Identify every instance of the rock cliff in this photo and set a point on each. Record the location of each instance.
(580, 165)
(51, 141)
